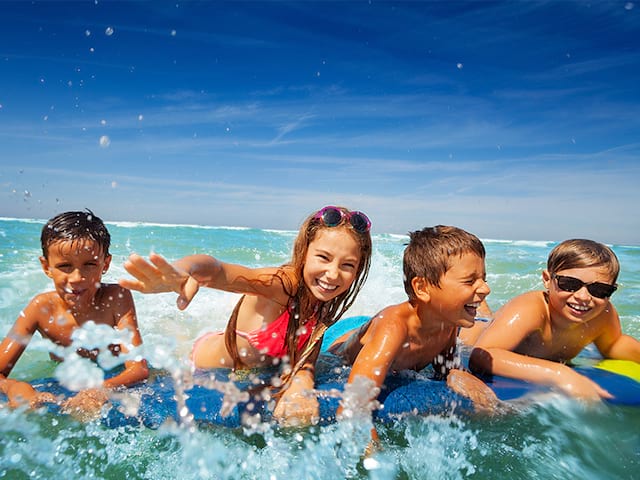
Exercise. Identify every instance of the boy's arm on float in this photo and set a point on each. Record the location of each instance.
(12, 348)
(134, 370)
(612, 343)
(493, 352)
(386, 337)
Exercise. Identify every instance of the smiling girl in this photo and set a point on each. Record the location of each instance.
(284, 310)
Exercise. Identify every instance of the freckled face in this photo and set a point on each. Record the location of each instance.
(76, 269)
(331, 263)
(579, 306)
(462, 289)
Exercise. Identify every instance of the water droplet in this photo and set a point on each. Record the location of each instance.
(87, 32)
(105, 141)
(370, 463)
(108, 31)
(459, 66)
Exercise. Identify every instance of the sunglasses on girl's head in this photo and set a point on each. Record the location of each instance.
(333, 216)
(595, 289)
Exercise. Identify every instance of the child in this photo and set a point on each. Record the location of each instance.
(284, 310)
(75, 255)
(444, 277)
(536, 333)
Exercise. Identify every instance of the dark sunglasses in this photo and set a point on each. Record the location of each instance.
(595, 289)
(333, 216)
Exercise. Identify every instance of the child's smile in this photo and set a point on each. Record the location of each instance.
(580, 305)
(76, 271)
(331, 264)
(462, 289)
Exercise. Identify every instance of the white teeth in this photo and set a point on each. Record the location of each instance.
(473, 305)
(327, 286)
(582, 308)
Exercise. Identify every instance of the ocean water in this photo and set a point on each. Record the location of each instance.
(557, 438)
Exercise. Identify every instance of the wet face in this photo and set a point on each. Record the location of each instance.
(579, 306)
(331, 263)
(462, 290)
(76, 268)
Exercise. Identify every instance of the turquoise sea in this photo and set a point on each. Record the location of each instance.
(558, 438)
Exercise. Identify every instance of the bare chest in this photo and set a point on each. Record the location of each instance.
(420, 351)
(558, 344)
(59, 325)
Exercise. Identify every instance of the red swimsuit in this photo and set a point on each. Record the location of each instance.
(271, 339)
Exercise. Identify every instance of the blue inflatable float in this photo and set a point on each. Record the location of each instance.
(408, 393)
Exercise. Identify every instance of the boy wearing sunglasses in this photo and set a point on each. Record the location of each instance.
(534, 335)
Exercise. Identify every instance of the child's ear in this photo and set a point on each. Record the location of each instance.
(421, 289)
(546, 279)
(44, 263)
(107, 263)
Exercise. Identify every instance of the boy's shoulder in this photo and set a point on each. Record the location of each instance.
(400, 312)
(529, 307)
(393, 318)
(533, 299)
(45, 300)
(41, 307)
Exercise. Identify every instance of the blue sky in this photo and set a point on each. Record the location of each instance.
(513, 120)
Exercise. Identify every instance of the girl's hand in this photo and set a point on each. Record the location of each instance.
(298, 406)
(159, 276)
(40, 398)
(86, 405)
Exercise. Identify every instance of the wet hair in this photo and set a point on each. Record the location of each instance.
(75, 227)
(430, 251)
(581, 253)
(301, 301)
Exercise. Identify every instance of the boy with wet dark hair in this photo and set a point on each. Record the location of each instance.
(75, 255)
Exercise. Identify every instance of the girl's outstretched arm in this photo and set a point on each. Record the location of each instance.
(187, 275)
